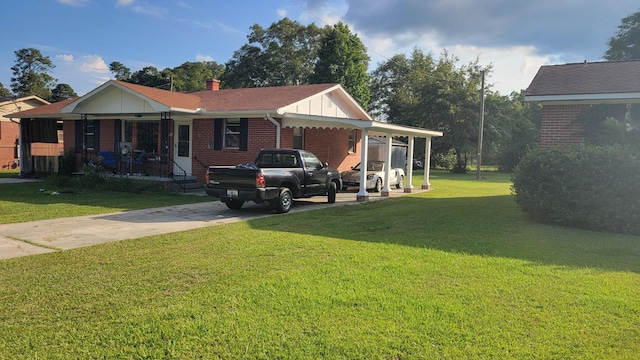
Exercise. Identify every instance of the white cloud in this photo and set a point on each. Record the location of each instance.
(94, 64)
(202, 58)
(74, 2)
(83, 73)
(65, 57)
(124, 2)
(282, 13)
(150, 10)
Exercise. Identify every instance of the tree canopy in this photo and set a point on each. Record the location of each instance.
(283, 54)
(343, 59)
(31, 74)
(625, 44)
(4, 92)
(62, 92)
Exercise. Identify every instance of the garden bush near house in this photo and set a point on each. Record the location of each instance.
(595, 188)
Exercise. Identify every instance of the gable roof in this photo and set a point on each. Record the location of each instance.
(587, 82)
(123, 98)
(12, 105)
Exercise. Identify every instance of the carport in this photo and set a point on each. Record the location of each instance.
(373, 128)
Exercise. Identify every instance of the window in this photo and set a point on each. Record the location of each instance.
(351, 147)
(232, 133)
(183, 140)
(89, 135)
(310, 161)
(298, 138)
(144, 135)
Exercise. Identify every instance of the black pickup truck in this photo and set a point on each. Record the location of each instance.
(277, 177)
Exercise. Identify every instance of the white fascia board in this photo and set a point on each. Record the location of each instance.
(204, 114)
(313, 121)
(394, 129)
(590, 98)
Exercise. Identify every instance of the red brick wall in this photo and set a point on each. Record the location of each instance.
(558, 127)
(8, 135)
(107, 135)
(329, 145)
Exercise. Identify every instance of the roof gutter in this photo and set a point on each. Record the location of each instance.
(278, 129)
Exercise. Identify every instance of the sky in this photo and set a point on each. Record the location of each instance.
(515, 37)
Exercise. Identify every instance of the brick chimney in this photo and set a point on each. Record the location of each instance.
(213, 84)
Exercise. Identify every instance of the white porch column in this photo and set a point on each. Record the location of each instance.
(386, 190)
(364, 154)
(427, 164)
(408, 188)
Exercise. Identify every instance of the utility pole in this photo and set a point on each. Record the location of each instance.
(480, 128)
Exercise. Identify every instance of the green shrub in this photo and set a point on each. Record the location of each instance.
(596, 188)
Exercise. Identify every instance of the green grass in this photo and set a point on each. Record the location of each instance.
(457, 272)
(26, 202)
(9, 173)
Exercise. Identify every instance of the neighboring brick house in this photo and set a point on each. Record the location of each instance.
(566, 90)
(162, 133)
(10, 130)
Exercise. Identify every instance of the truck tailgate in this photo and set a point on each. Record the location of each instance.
(225, 177)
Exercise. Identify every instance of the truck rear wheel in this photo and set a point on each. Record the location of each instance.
(234, 204)
(331, 194)
(284, 201)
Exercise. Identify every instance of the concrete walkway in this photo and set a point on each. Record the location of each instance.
(44, 236)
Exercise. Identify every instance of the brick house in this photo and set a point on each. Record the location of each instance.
(10, 130)
(156, 132)
(566, 90)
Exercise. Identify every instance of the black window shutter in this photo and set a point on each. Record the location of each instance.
(96, 135)
(244, 134)
(117, 136)
(218, 125)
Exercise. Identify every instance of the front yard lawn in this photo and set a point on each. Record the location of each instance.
(452, 273)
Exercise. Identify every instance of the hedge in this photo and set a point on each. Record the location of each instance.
(595, 188)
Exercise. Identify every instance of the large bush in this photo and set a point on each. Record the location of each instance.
(596, 188)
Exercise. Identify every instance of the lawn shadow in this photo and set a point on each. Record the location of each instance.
(484, 226)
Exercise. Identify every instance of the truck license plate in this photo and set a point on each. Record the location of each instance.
(232, 193)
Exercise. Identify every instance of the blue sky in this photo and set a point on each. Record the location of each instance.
(82, 37)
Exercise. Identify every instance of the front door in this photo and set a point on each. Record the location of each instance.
(182, 147)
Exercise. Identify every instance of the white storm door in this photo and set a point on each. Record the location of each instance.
(182, 147)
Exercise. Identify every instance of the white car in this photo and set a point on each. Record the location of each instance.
(375, 176)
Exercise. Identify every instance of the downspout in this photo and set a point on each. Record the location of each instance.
(278, 129)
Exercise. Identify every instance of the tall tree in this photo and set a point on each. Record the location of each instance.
(625, 44)
(342, 58)
(152, 77)
(120, 71)
(62, 92)
(192, 76)
(4, 92)
(283, 54)
(31, 74)
(440, 95)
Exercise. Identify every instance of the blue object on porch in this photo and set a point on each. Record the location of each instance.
(107, 158)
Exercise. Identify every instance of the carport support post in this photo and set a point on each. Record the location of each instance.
(364, 149)
(408, 188)
(427, 163)
(386, 191)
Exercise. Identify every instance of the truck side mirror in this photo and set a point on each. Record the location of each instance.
(325, 164)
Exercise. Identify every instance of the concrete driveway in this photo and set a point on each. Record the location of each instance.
(44, 236)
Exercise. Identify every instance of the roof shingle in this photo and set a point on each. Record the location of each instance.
(610, 77)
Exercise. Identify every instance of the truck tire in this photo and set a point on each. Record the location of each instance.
(331, 194)
(234, 204)
(284, 201)
(400, 183)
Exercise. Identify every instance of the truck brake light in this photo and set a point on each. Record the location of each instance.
(260, 180)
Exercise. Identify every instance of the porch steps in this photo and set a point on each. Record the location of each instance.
(186, 184)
